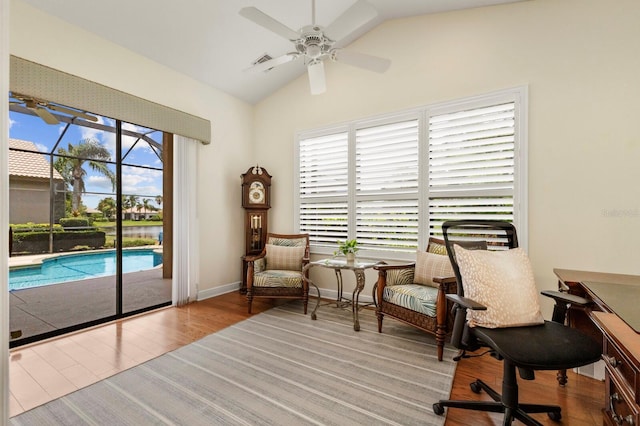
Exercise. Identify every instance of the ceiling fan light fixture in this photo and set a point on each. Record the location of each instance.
(317, 81)
(313, 51)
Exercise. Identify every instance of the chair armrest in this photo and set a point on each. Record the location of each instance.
(563, 300)
(253, 258)
(394, 274)
(385, 267)
(566, 298)
(445, 283)
(390, 275)
(466, 303)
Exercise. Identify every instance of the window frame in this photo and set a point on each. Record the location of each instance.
(517, 95)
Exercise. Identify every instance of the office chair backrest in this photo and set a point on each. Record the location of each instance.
(473, 235)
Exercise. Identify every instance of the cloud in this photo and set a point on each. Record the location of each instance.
(98, 183)
(41, 147)
(142, 181)
(11, 123)
(91, 133)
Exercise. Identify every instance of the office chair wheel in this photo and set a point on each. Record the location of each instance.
(555, 416)
(438, 409)
(475, 387)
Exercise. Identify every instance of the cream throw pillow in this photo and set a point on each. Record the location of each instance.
(503, 282)
(429, 265)
(284, 257)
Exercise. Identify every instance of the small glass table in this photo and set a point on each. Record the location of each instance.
(358, 267)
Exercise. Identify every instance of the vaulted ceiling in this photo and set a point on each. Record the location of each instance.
(209, 41)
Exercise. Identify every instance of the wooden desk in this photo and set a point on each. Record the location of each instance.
(620, 342)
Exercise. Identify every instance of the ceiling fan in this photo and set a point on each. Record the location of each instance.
(41, 108)
(314, 43)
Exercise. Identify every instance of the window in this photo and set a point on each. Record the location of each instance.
(386, 185)
(391, 181)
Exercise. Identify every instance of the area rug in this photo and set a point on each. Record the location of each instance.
(275, 368)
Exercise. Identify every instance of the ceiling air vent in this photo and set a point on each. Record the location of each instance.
(264, 58)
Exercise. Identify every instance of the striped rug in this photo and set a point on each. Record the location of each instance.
(275, 368)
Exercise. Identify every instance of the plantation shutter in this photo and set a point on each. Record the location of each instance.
(386, 186)
(471, 164)
(324, 179)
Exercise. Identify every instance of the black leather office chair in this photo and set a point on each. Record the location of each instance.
(545, 346)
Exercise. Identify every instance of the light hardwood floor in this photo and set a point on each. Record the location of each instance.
(48, 370)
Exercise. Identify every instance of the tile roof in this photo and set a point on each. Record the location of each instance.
(28, 164)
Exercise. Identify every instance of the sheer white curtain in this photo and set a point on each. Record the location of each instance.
(185, 221)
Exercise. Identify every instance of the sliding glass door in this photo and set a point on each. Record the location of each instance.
(87, 231)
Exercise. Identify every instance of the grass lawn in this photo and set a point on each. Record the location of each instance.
(129, 223)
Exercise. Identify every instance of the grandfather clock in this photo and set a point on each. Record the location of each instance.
(256, 201)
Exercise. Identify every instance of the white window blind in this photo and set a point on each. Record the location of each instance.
(386, 184)
(471, 164)
(323, 185)
(391, 181)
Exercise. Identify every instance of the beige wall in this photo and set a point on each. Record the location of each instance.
(47, 40)
(580, 61)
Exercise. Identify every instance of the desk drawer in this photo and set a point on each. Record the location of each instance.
(620, 411)
(620, 366)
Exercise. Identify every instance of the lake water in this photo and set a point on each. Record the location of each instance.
(136, 231)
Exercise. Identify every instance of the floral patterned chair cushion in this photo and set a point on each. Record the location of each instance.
(417, 297)
(277, 278)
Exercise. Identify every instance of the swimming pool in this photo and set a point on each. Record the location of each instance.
(73, 267)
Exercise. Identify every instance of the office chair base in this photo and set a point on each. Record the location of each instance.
(510, 414)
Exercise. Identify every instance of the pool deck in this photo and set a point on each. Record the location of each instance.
(36, 259)
(39, 310)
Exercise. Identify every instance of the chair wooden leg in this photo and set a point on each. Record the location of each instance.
(440, 346)
(440, 337)
(380, 316)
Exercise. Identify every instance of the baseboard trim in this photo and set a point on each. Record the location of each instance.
(235, 286)
(218, 291)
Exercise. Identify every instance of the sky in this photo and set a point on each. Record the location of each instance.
(144, 183)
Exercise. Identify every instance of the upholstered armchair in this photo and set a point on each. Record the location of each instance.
(277, 271)
(415, 293)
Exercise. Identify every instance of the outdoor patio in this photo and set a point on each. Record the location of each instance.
(48, 308)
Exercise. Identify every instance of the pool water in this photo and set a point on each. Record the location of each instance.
(82, 266)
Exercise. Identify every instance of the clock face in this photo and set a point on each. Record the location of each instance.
(256, 193)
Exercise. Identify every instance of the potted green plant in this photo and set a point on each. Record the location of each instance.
(349, 248)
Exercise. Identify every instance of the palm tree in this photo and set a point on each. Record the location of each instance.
(107, 206)
(146, 203)
(71, 166)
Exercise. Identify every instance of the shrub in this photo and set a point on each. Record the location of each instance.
(38, 242)
(130, 242)
(30, 227)
(76, 222)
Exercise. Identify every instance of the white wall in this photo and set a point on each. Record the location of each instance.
(49, 41)
(580, 60)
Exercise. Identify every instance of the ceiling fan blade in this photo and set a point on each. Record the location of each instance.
(352, 19)
(317, 81)
(271, 63)
(72, 112)
(362, 60)
(44, 114)
(266, 21)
